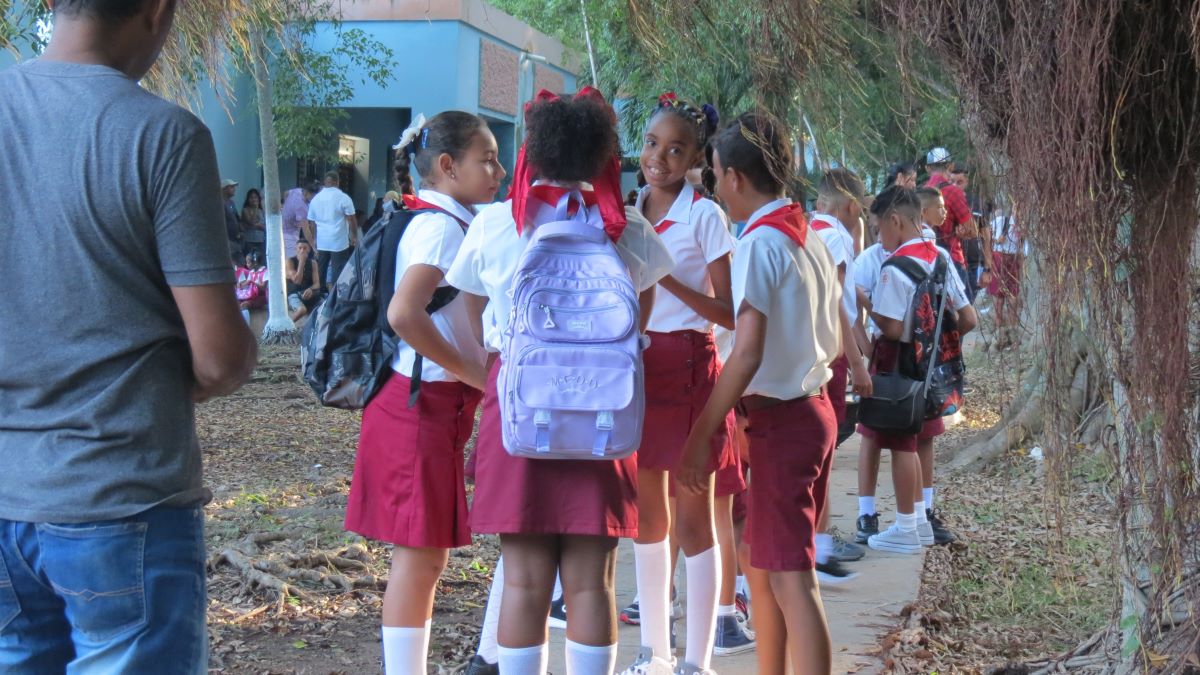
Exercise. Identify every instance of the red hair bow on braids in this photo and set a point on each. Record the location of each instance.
(607, 185)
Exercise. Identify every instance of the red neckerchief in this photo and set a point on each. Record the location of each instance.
(818, 224)
(787, 219)
(415, 203)
(550, 194)
(924, 250)
(607, 184)
(666, 224)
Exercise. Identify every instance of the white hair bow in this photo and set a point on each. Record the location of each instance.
(410, 133)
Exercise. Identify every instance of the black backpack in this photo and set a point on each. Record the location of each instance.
(927, 382)
(347, 346)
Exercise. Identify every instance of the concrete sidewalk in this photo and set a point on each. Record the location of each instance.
(859, 612)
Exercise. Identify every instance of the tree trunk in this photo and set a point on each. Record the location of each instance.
(279, 329)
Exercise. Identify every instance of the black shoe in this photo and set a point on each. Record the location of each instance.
(834, 573)
(558, 614)
(868, 526)
(478, 666)
(941, 534)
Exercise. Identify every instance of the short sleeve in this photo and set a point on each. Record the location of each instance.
(431, 239)
(643, 251)
(712, 233)
(865, 271)
(893, 294)
(466, 272)
(347, 205)
(312, 214)
(754, 275)
(958, 293)
(189, 222)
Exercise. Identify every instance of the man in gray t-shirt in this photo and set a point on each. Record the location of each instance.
(124, 316)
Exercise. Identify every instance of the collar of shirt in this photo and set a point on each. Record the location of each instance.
(681, 208)
(764, 210)
(928, 232)
(828, 220)
(448, 204)
(923, 249)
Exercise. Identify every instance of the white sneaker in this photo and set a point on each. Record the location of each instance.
(896, 540)
(925, 533)
(648, 664)
(688, 669)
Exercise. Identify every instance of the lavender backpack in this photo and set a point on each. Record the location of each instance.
(571, 385)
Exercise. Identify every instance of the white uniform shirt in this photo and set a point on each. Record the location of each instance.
(1005, 237)
(434, 239)
(328, 210)
(837, 239)
(894, 291)
(698, 235)
(492, 248)
(797, 289)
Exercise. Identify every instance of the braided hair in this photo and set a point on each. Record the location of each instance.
(703, 120)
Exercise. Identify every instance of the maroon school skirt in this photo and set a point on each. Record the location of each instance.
(681, 369)
(514, 495)
(408, 474)
(791, 448)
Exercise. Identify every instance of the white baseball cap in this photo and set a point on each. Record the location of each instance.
(937, 156)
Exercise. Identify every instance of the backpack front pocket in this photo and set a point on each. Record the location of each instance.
(579, 316)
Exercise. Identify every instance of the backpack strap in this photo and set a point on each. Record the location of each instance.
(939, 271)
(909, 267)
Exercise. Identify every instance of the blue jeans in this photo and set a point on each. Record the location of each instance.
(115, 596)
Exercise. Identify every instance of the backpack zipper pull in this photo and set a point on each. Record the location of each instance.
(549, 317)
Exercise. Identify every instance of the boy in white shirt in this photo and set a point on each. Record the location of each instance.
(786, 296)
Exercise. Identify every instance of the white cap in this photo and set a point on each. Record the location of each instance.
(937, 156)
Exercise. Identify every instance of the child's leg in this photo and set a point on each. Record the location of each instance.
(770, 631)
(588, 565)
(694, 530)
(408, 607)
(906, 476)
(652, 558)
(799, 600)
(868, 476)
(726, 541)
(530, 562)
(491, 616)
(925, 452)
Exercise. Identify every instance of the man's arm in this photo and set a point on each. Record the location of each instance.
(353, 223)
(224, 351)
(310, 232)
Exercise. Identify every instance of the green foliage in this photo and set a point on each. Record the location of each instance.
(21, 23)
(311, 84)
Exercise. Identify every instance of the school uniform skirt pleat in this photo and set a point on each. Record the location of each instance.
(681, 369)
(408, 487)
(514, 495)
(791, 450)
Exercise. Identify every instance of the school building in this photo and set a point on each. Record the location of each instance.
(447, 55)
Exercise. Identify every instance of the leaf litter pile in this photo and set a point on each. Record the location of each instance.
(290, 591)
(1019, 587)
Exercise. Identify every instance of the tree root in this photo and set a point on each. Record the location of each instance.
(278, 576)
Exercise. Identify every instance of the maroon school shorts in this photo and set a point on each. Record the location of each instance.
(791, 449)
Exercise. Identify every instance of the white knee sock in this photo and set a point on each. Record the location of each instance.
(824, 547)
(866, 506)
(928, 494)
(703, 586)
(919, 512)
(524, 660)
(491, 616)
(589, 660)
(653, 565)
(405, 649)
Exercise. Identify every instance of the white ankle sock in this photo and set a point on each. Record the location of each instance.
(405, 649)
(824, 547)
(907, 521)
(491, 616)
(919, 512)
(589, 660)
(524, 660)
(866, 506)
(927, 493)
(653, 565)
(703, 585)
(726, 610)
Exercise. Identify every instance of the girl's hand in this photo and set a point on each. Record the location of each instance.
(692, 474)
(860, 379)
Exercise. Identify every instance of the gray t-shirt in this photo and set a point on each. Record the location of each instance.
(109, 195)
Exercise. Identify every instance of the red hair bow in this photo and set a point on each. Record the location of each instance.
(607, 185)
(668, 99)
